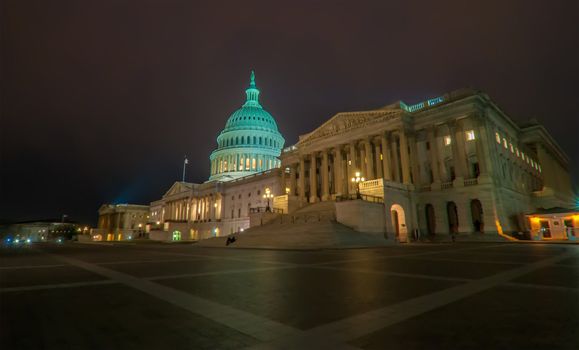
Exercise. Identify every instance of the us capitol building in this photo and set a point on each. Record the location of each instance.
(450, 164)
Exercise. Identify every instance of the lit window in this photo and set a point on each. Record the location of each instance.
(253, 163)
(381, 158)
(247, 163)
(505, 143)
(539, 168)
(527, 159)
(512, 148)
(447, 140)
(470, 135)
(517, 150)
(522, 155)
(498, 137)
(349, 162)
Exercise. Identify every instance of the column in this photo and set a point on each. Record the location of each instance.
(283, 184)
(395, 159)
(338, 168)
(352, 166)
(377, 160)
(404, 158)
(325, 173)
(459, 171)
(369, 159)
(302, 184)
(434, 157)
(292, 186)
(387, 170)
(480, 154)
(313, 179)
(416, 179)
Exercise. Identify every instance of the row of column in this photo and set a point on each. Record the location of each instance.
(391, 155)
(201, 208)
(243, 162)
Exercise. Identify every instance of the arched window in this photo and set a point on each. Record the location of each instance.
(254, 140)
(242, 140)
(260, 141)
(237, 140)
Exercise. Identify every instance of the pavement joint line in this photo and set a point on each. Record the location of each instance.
(31, 267)
(471, 261)
(217, 273)
(357, 326)
(395, 274)
(541, 286)
(251, 325)
(56, 286)
(248, 259)
(121, 262)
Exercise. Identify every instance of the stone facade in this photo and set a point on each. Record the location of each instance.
(455, 164)
(452, 164)
(121, 222)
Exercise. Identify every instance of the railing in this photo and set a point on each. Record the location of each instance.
(364, 197)
(471, 182)
(265, 210)
(446, 185)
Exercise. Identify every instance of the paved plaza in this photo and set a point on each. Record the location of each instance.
(180, 296)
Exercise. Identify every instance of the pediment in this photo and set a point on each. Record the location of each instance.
(346, 121)
(178, 187)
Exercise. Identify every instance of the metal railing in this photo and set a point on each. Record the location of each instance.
(265, 210)
(364, 197)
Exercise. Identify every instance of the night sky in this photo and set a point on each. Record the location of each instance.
(100, 100)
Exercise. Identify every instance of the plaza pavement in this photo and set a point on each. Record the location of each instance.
(160, 296)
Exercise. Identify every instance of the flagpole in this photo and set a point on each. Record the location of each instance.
(185, 161)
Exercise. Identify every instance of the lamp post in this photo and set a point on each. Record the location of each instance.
(267, 196)
(357, 179)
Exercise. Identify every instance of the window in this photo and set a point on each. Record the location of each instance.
(253, 163)
(249, 194)
(258, 192)
(498, 137)
(470, 135)
(517, 151)
(505, 143)
(447, 140)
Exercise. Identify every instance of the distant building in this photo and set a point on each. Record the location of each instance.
(42, 230)
(451, 164)
(555, 224)
(121, 221)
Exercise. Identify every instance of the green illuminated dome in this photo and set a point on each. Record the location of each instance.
(250, 142)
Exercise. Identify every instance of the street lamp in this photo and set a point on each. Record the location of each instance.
(267, 196)
(357, 179)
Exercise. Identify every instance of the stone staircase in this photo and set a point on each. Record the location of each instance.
(310, 227)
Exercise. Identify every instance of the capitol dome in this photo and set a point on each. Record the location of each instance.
(250, 142)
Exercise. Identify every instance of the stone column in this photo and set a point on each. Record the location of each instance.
(387, 170)
(395, 159)
(416, 178)
(434, 157)
(292, 186)
(313, 179)
(377, 160)
(302, 184)
(352, 166)
(325, 176)
(459, 170)
(369, 159)
(283, 184)
(338, 168)
(480, 154)
(404, 158)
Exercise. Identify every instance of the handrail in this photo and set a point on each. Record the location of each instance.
(364, 197)
(265, 210)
